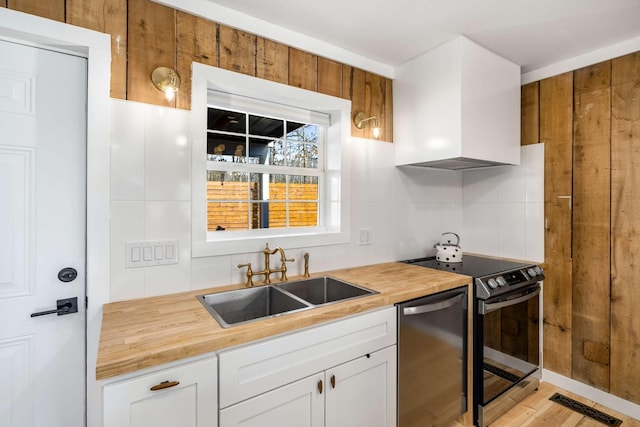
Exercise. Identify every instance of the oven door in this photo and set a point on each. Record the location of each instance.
(506, 349)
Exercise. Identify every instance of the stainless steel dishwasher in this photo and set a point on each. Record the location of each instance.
(432, 359)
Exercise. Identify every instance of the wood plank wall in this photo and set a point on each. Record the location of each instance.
(589, 120)
(625, 227)
(145, 35)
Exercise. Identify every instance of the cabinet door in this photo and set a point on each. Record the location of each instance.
(299, 404)
(192, 402)
(363, 392)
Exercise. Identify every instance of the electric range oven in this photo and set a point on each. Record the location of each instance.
(506, 330)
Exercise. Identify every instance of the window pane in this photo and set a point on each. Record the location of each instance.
(261, 150)
(295, 131)
(275, 153)
(225, 120)
(266, 126)
(227, 216)
(225, 148)
(303, 214)
(268, 215)
(268, 186)
(229, 186)
(303, 187)
(302, 132)
(302, 155)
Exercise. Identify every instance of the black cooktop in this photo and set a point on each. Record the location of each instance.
(471, 265)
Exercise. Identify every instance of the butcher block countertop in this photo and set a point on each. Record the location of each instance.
(148, 332)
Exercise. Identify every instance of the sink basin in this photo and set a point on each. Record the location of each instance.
(323, 290)
(245, 305)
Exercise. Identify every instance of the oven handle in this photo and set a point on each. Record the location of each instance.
(436, 306)
(485, 308)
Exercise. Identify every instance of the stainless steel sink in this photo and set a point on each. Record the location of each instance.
(245, 305)
(324, 290)
(250, 304)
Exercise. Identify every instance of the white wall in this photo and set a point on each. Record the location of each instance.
(496, 211)
(407, 209)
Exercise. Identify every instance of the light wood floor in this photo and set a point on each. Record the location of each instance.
(538, 411)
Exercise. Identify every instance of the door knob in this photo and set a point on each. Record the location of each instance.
(64, 306)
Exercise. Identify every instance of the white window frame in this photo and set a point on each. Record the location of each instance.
(336, 189)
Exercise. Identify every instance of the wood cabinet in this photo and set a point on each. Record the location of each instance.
(184, 396)
(457, 101)
(361, 392)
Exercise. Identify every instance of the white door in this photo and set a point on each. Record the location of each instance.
(299, 404)
(363, 392)
(42, 232)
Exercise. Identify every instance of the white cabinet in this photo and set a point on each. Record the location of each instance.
(361, 392)
(184, 396)
(300, 404)
(276, 381)
(456, 102)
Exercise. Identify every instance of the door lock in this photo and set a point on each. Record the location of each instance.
(64, 306)
(67, 274)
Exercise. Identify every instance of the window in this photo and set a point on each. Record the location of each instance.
(269, 163)
(263, 171)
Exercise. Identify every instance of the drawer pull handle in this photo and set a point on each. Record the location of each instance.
(320, 386)
(164, 384)
(333, 381)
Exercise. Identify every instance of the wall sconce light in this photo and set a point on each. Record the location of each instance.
(360, 119)
(167, 81)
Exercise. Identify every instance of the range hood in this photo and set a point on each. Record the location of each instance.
(457, 107)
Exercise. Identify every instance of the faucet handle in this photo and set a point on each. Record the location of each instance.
(306, 265)
(249, 283)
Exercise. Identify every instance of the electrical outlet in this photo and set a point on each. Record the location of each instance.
(366, 236)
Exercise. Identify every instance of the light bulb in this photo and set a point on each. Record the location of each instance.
(376, 132)
(169, 93)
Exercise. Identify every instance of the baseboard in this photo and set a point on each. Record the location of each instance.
(609, 400)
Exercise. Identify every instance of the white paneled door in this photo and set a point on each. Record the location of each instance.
(42, 236)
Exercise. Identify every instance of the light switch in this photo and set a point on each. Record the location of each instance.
(135, 254)
(151, 253)
(169, 251)
(146, 253)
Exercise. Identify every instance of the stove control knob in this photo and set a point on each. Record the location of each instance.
(532, 272)
(501, 281)
(538, 270)
(492, 283)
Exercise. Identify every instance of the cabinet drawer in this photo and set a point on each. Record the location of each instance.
(189, 403)
(256, 368)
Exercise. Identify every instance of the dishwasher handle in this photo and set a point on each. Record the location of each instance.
(436, 306)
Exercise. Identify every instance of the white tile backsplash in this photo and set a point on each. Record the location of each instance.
(169, 220)
(167, 153)
(496, 211)
(127, 224)
(503, 208)
(533, 158)
(127, 150)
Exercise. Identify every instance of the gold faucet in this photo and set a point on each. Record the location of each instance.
(306, 265)
(266, 272)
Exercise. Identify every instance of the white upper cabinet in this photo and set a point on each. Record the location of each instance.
(456, 107)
